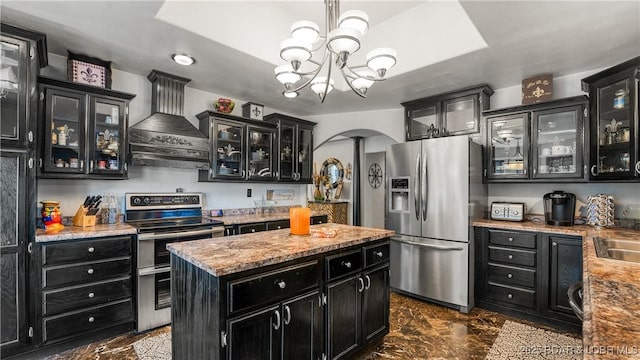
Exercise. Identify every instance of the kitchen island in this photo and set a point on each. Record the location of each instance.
(274, 295)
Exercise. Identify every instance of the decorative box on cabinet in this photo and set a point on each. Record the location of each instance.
(542, 142)
(615, 97)
(87, 288)
(453, 113)
(83, 131)
(23, 54)
(295, 148)
(527, 274)
(336, 211)
(240, 149)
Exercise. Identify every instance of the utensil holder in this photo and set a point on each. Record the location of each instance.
(82, 219)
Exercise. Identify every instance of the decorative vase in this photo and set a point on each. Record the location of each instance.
(317, 195)
(51, 212)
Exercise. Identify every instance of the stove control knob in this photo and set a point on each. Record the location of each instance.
(146, 200)
(136, 200)
(194, 200)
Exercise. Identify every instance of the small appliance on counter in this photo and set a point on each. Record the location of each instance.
(507, 211)
(559, 208)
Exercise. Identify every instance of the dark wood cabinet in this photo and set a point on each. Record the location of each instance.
(302, 327)
(615, 147)
(542, 142)
(295, 148)
(238, 229)
(86, 289)
(23, 54)
(357, 300)
(254, 336)
(453, 113)
(527, 274)
(240, 149)
(83, 131)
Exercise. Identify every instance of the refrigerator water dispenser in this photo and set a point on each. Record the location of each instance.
(399, 195)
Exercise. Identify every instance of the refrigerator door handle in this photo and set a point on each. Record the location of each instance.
(425, 186)
(436, 247)
(416, 180)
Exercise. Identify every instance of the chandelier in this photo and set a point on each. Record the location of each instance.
(341, 39)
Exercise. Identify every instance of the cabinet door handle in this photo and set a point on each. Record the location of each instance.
(638, 167)
(276, 325)
(30, 136)
(91, 249)
(368, 282)
(91, 165)
(361, 285)
(281, 284)
(378, 254)
(593, 171)
(90, 271)
(91, 319)
(510, 257)
(91, 295)
(126, 168)
(287, 315)
(554, 243)
(346, 264)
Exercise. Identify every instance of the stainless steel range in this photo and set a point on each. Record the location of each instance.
(162, 219)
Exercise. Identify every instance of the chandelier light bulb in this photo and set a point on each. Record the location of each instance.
(306, 31)
(381, 60)
(363, 82)
(286, 75)
(354, 19)
(343, 41)
(290, 94)
(318, 85)
(295, 51)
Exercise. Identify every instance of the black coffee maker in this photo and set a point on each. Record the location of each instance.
(559, 208)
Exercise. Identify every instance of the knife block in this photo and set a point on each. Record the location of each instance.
(82, 219)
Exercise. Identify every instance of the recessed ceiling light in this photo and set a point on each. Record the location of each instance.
(290, 94)
(183, 59)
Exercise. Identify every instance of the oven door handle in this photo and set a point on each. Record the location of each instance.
(175, 235)
(153, 271)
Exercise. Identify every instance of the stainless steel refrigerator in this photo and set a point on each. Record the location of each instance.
(434, 191)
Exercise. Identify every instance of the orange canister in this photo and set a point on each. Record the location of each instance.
(299, 220)
(51, 212)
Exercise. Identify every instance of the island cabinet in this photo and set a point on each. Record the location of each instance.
(527, 274)
(240, 149)
(83, 131)
(86, 289)
(330, 304)
(615, 122)
(295, 148)
(542, 142)
(254, 227)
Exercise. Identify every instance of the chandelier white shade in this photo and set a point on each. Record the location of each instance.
(342, 38)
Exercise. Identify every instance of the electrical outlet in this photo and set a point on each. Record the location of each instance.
(248, 192)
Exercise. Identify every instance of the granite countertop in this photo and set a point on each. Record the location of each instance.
(254, 218)
(611, 290)
(228, 255)
(71, 232)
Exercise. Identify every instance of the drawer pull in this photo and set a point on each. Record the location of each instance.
(378, 253)
(281, 284)
(91, 295)
(509, 276)
(90, 271)
(510, 257)
(279, 227)
(91, 319)
(346, 264)
(510, 296)
(555, 243)
(253, 230)
(510, 239)
(91, 249)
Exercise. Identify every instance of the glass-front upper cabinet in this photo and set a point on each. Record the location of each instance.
(558, 140)
(461, 115)
(423, 122)
(615, 120)
(84, 131)
(64, 138)
(305, 150)
(260, 153)
(295, 148)
(229, 161)
(508, 155)
(107, 144)
(13, 56)
(287, 150)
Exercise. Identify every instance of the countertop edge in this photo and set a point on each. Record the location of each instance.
(76, 233)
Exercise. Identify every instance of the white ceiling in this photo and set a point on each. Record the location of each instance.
(442, 45)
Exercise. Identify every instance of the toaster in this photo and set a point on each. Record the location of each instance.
(508, 211)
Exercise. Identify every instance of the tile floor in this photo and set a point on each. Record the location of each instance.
(419, 330)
